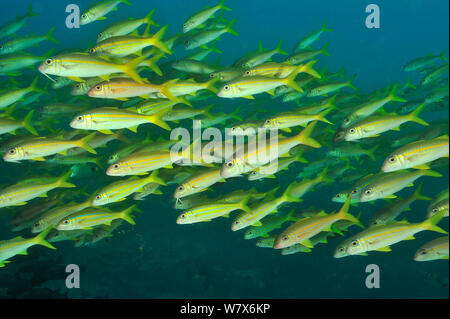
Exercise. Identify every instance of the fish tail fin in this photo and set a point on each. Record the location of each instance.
(127, 216)
(443, 55)
(27, 123)
(207, 109)
(33, 87)
(153, 178)
(235, 114)
(157, 119)
(304, 136)
(148, 19)
(49, 36)
(414, 115)
(290, 79)
(431, 223)
(299, 157)
(308, 68)
(350, 84)
(84, 143)
(324, 49)
(371, 151)
(321, 116)
(40, 239)
(287, 197)
(130, 68)
(431, 173)
(157, 40)
(417, 193)
(324, 27)
(62, 180)
(165, 89)
(392, 96)
(323, 176)
(30, 12)
(210, 85)
(343, 212)
(229, 28)
(279, 49)
(222, 6)
(243, 204)
(151, 63)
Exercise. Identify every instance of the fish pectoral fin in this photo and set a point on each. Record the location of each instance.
(410, 238)
(43, 195)
(248, 97)
(103, 18)
(40, 159)
(23, 253)
(121, 200)
(384, 249)
(258, 223)
(104, 77)
(390, 196)
(109, 132)
(133, 129)
(396, 128)
(363, 254)
(20, 204)
(76, 78)
(307, 243)
(423, 166)
(121, 99)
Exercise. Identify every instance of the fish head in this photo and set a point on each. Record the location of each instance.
(101, 199)
(347, 121)
(284, 240)
(100, 90)
(271, 123)
(341, 250)
(339, 136)
(118, 169)
(5, 49)
(185, 218)
(87, 17)
(394, 162)
(14, 154)
(231, 168)
(190, 44)
(340, 197)
(103, 36)
(82, 121)
(239, 223)
(352, 133)
(255, 175)
(368, 194)
(426, 254)
(67, 224)
(39, 226)
(182, 190)
(228, 90)
(188, 25)
(250, 234)
(80, 88)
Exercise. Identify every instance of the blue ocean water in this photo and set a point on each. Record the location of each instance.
(158, 258)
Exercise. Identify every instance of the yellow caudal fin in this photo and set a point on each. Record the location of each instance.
(27, 123)
(431, 173)
(431, 223)
(165, 90)
(287, 197)
(304, 138)
(243, 204)
(148, 19)
(130, 68)
(153, 178)
(33, 87)
(157, 41)
(321, 116)
(308, 68)
(417, 194)
(392, 96)
(414, 115)
(151, 63)
(157, 119)
(343, 212)
(127, 216)
(62, 180)
(210, 85)
(322, 177)
(84, 143)
(40, 239)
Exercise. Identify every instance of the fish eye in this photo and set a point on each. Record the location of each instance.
(48, 61)
(212, 75)
(354, 191)
(355, 243)
(83, 16)
(116, 166)
(346, 120)
(184, 25)
(424, 252)
(98, 87)
(368, 191)
(268, 122)
(341, 249)
(183, 216)
(79, 118)
(236, 222)
(66, 222)
(392, 159)
(226, 87)
(254, 173)
(77, 86)
(92, 50)
(247, 73)
(180, 188)
(100, 35)
(230, 164)
(285, 238)
(352, 130)
(435, 210)
(98, 197)
(186, 43)
(36, 224)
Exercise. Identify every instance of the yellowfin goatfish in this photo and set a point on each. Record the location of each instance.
(269, 224)
(311, 38)
(417, 154)
(247, 86)
(261, 57)
(433, 250)
(18, 23)
(381, 237)
(302, 230)
(19, 246)
(120, 190)
(39, 147)
(373, 126)
(261, 210)
(98, 10)
(91, 217)
(384, 186)
(26, 42)
(286, 120)
(200, 17)
(198, 182)
(11, 96)
(304, 55)
(106, 119)
(203, 37)
(126, 45)
(80, 65)
(326, 89)
(209, 211)
(20, 193)
(391, 211)
(140, 163)
(10, 125)
(126, 27)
